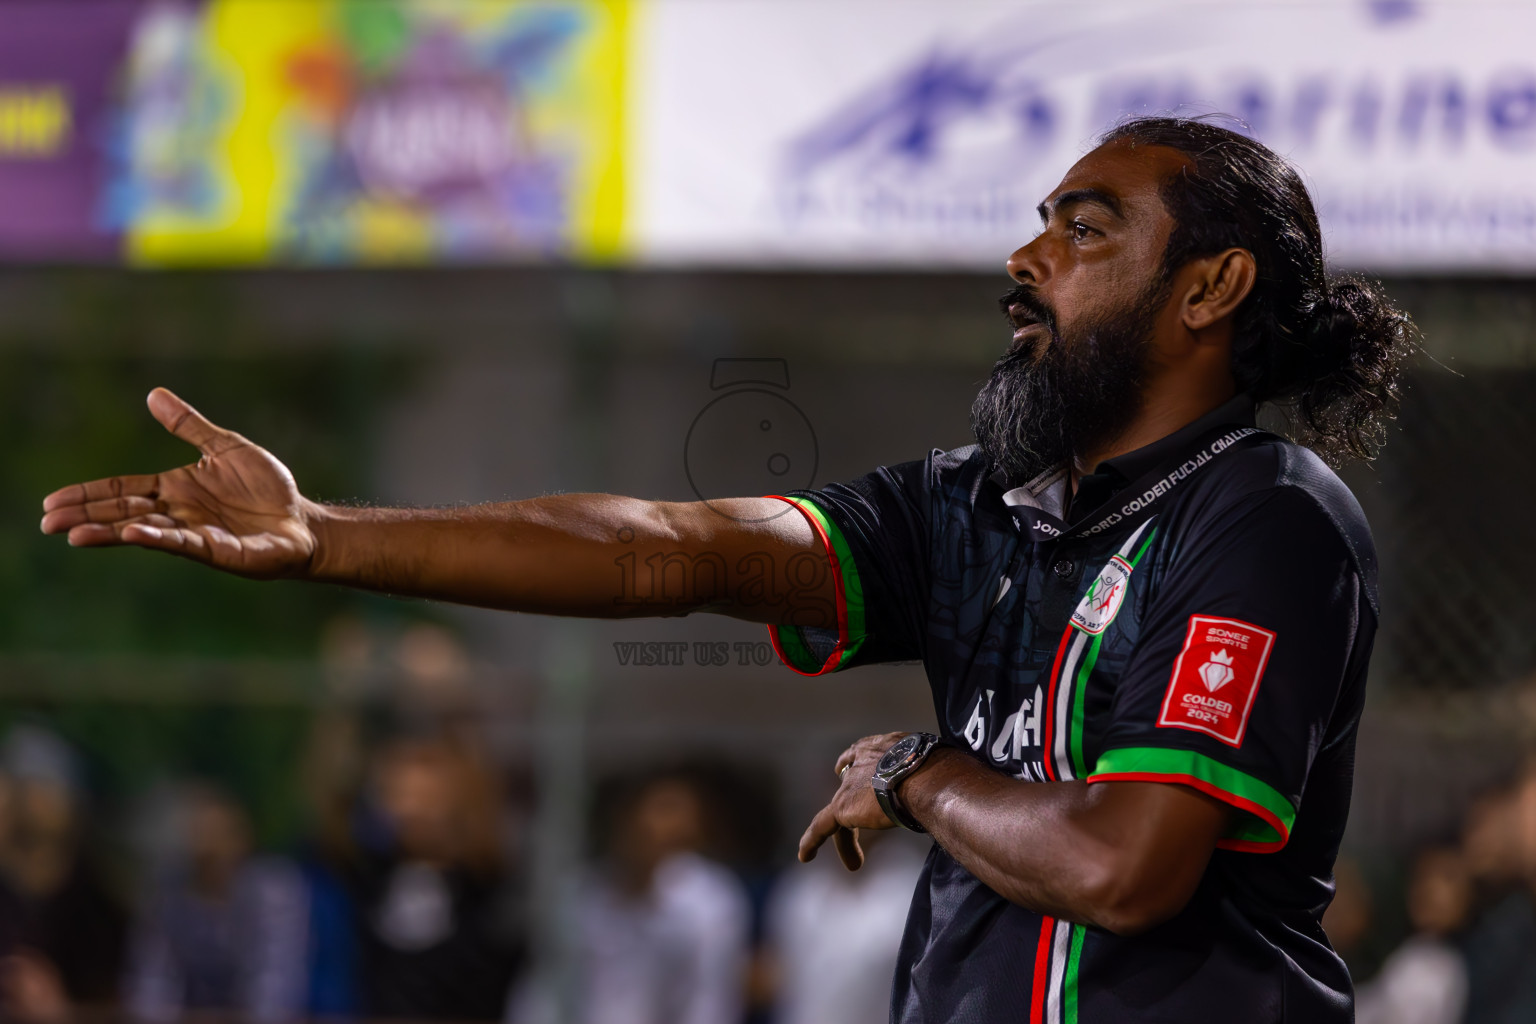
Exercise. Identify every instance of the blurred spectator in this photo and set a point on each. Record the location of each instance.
(664, 931)
(1347, 920)
(833, 934)
(223, 931)
(430, 900)
(61, 930)
(435, 671)
(1425, 980)
(1500, 848)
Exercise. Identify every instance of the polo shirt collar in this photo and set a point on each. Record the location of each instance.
(1111, 475)
(1238, 411)
(1047, 493)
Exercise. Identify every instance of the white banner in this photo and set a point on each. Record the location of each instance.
(898, 132)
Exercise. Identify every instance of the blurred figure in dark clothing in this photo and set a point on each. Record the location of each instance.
(430, 903)
(224, 931)
(62, 931)
(1349, 918)
(1500, 849)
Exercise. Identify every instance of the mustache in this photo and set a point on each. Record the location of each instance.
(1022, 299)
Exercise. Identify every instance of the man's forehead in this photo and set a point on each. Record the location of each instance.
(1129, 175)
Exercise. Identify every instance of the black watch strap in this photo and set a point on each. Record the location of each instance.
(905, 757)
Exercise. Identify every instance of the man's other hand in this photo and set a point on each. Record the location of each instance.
(237, 508)
(853, 806)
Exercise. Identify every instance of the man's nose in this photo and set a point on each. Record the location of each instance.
(1026, 266)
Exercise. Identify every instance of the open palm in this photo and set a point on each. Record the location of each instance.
(237, 508)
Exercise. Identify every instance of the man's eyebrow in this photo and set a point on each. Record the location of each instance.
(1096, 196)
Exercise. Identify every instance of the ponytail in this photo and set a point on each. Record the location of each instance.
(1339, 379)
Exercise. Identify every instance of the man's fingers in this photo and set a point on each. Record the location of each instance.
(93, 535)
(187, 423)
(96, 535)
(142, 485)
(821, 826)
(153, 531)
(111, 510)
(174, 539)
(844, 761)
(848, 850)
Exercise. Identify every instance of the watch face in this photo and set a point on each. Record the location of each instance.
(904, 748)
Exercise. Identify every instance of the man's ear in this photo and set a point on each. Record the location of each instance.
(1221, 284)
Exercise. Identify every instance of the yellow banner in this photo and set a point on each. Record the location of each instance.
(375, 131)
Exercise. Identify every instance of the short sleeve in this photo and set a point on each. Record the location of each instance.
(1257, 625)
(875, 531)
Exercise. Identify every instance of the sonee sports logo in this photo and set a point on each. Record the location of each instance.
(1216, 677)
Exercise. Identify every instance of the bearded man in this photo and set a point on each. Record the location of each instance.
(1146, 622)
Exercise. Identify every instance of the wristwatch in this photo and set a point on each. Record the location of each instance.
(904, 758)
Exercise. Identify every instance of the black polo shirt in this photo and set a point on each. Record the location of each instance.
(1202, 615)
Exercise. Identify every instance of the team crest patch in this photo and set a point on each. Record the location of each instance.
(1216, 677)
(1106, 593)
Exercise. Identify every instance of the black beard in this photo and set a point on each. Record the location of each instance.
(1040, 408)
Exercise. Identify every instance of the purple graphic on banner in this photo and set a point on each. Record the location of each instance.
(59, 69)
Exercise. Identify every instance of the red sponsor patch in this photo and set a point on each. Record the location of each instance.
(1216, 677)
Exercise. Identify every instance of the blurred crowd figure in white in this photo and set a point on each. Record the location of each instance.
(675, 953)
(664, 932)
(223, 931)
(1471, 956)
(1424, 981)
(833, 934)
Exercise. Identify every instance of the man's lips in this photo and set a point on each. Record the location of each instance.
(1024, 320)
(1031, 338)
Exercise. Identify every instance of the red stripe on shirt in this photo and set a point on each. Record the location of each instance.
(1042, 971)
(1050, 705)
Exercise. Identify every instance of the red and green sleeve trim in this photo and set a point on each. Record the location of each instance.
(1264, 829)
(789, 641)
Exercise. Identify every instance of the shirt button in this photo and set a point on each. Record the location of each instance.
(1063, 568)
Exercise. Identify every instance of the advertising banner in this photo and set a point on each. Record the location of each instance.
(59, 65)
(367, 131)
(750, 133)
(906, 133)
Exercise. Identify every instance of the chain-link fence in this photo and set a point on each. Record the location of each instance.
(1451, 506)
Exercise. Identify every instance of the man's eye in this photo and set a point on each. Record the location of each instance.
(1080, 231)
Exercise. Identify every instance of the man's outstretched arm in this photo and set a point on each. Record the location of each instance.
(596, 555)
(238, 509)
